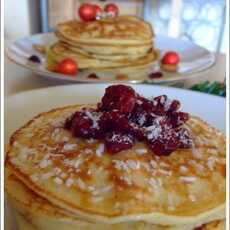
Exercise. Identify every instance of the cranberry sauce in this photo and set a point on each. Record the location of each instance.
(123, 117)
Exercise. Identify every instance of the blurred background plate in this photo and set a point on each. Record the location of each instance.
(194, 59)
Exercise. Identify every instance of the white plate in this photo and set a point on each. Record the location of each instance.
(194, 59)
(23, 106)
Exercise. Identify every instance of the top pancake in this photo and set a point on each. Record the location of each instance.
(126, 30)
(78, 176)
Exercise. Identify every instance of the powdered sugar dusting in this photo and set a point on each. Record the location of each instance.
(100, 150)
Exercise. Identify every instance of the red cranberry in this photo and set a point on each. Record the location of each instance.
(174, 106)
(145, 104)
(93, 76)
(116, 141)
(137, 131)
(139, 116)
(118, 97)
(68, 122)
(178, 118)
(124, 116)
(85, 124)
(143, 112)
(34, 58)
(159, 104)
(113, 120)
(165, 144)
(160, 126)
(155, 75)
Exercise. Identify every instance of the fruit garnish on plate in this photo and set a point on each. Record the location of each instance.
(93, 76)
(111, 9)
(124, 117)
(170, 61)
(88, 12)
(34, 58)
(67, 66)
(155, 75)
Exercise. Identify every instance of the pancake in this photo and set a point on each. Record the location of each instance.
(108, 57)
(185, 188)
(34, 212)
(110, 49)
(120, 45)
(60, 51)
(122, 30)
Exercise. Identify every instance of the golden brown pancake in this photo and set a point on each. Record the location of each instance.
(60, 51)
(127, 30)
(121, 45)
(81, 178)
(34, 212)
(110, 49)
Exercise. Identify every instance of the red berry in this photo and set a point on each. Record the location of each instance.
(67, 66)
(170, 58)
(97, 9)
(34, 58)
(116, 141)
(85, 124)
(155, 75)
(178, 118)
(112, 8)
(159, 104)
(87, 12)
(166, 143)
(93, 76)
(118, 97)
(113, 120)
(173, 107)
(124, 116)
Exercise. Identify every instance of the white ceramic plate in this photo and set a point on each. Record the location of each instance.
(194, 59)
(23, 106)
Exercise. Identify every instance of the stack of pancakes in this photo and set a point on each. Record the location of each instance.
(123, 44)
(57, 181)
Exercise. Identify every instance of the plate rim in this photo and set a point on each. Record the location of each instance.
(61, 77)
(107, 84)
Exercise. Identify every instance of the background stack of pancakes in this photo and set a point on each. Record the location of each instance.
(56, 181)
(122, 45)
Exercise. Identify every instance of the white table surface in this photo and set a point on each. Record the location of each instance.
(18, 79)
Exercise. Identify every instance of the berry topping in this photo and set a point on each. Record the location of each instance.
(114, 120)
(166, 143)
(67, 66)
(111, 9)
(117, 141)
(119, 97)
(124, 117)
(85, 124)
(93, 76)
(170, 58)
(88, 12)
(155, 75)
(34, 58)
(178, 118)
